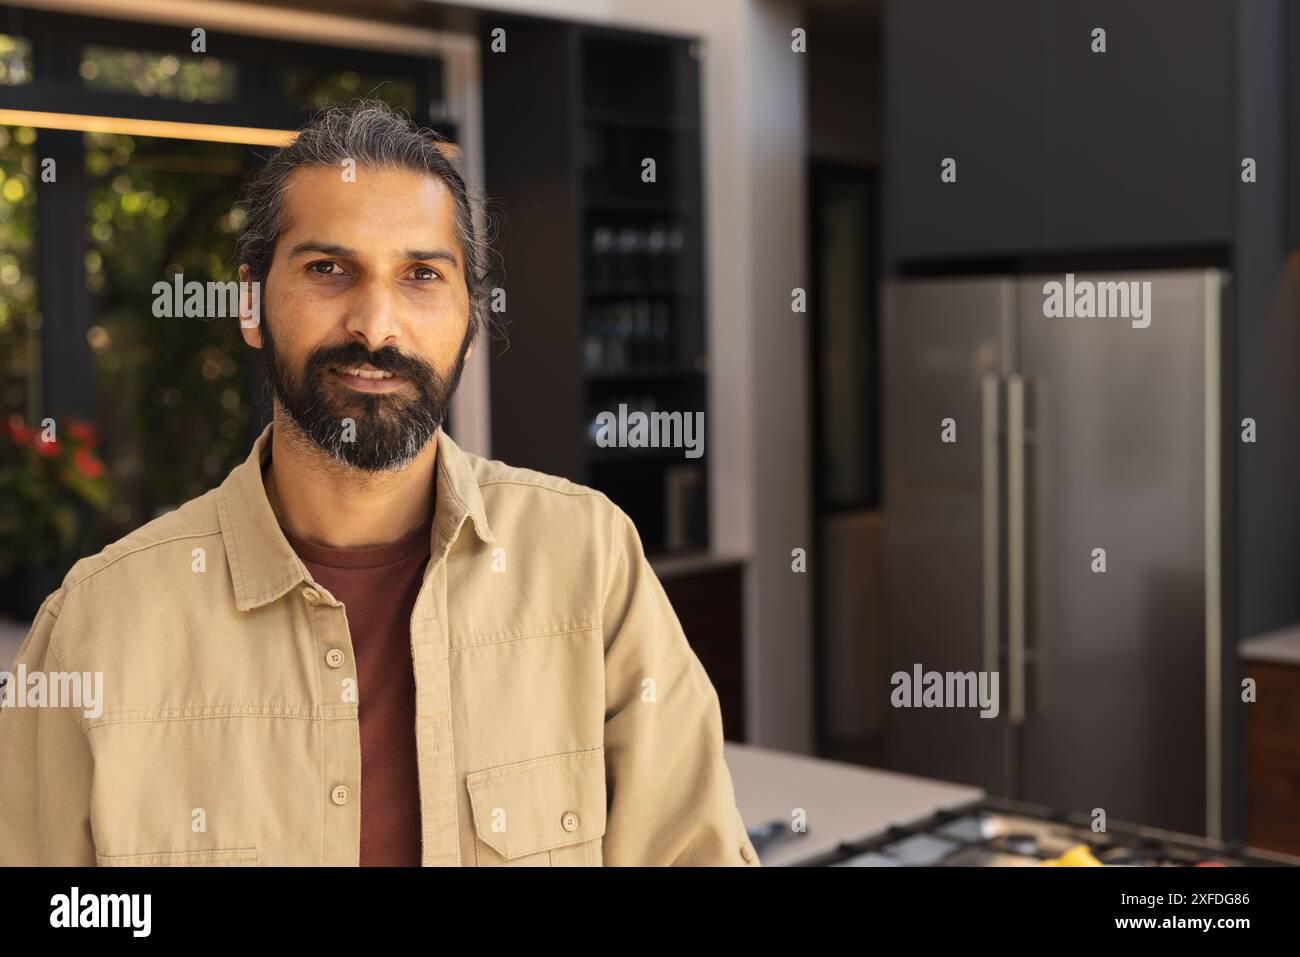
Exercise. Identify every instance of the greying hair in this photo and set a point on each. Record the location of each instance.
(371, 134)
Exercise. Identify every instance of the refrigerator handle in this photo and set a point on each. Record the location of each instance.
(992, 527)
(1016, 546)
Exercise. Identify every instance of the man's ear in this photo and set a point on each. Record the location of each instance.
(250, 307)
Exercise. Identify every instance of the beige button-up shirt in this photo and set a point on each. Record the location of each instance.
(562, 717)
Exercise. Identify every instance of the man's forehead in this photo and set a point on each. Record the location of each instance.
(387, 200)
(395, 177)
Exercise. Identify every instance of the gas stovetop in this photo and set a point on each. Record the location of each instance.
(999, 833)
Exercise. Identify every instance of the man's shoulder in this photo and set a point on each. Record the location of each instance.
(494, 472)
(512, 492)
(194, 520)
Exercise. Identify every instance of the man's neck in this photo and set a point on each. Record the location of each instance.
(325, 502)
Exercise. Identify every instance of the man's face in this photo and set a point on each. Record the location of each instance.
(365, 313)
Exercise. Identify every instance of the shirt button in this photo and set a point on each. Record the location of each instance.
(311, 594)
(747, 853)
(334, 658)
(340, 795)
(570, 821)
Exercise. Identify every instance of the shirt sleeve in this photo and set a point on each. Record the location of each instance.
(45, 766)
(670, 796)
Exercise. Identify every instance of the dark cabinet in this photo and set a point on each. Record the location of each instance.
(1139, 140)
(604, 266)
(708, 600)
(961, 82)
(1273, 758)
(1060, 149)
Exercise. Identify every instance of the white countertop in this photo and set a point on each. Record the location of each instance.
(693, 563)
(1280, 647)
(843, 802)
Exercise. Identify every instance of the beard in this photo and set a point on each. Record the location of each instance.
(388, 428)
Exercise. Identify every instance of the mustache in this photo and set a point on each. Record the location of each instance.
(387, 359)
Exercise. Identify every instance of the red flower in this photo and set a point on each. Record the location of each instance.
(87, 464)
(82, 432)
(17, 431)
(46, 449)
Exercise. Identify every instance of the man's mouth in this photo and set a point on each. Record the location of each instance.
(367, 378)
(365, 372)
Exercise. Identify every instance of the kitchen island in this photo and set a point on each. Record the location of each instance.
(840, 802)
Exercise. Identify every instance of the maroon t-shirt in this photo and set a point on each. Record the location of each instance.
(378, 587)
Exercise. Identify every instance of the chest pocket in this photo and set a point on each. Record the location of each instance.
(547, 811)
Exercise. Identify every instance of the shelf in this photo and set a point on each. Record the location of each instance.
(597, 116)
(671, 563)
(612, 290)
(582, 109)
(639, 457)
(594, 202)
(649, 374)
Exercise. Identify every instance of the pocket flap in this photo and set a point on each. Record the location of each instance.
(540, 804)
(221, 857)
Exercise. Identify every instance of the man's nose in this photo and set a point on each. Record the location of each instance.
(372, 314)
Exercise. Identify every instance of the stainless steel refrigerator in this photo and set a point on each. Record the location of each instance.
(1071, 434)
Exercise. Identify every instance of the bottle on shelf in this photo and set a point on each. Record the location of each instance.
(593, 358)
(683, 488)
(656, 249)
(624, 329)
(602, 246)
(630, 242)
(676, 241)
(641, 344)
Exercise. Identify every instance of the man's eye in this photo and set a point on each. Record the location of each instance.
(424, 273)
(325, 267)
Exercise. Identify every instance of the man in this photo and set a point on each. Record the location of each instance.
(368, 646)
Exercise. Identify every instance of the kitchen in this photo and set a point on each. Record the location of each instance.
(1031, 435)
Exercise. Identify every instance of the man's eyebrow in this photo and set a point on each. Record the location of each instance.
(327, 249)
(444, 254)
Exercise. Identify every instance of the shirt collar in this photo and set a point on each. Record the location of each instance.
(263, 565)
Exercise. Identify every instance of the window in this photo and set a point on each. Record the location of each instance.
(170, 395)
(203, 79)
(15, 61)
(176, 401)
(19, 320)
